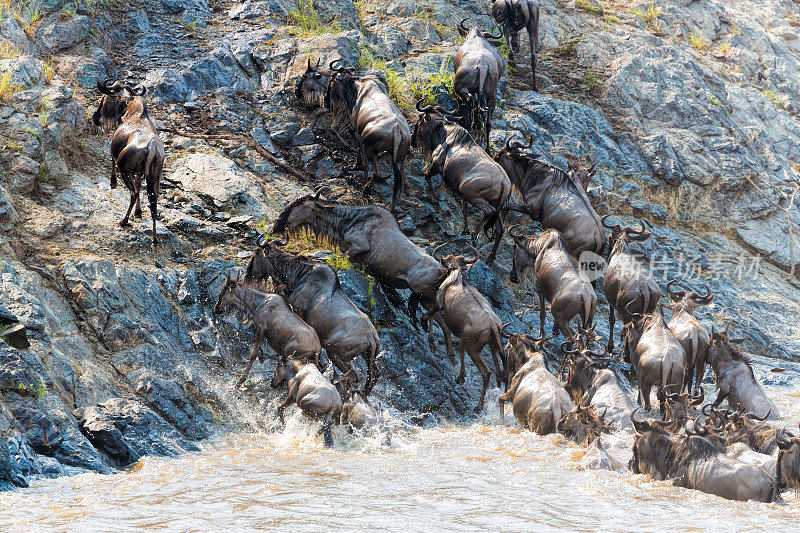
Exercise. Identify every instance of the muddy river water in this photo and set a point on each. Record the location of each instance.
(485, 475)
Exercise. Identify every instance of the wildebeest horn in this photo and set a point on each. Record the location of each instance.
(136, 90)
(639, 425)
(319, 190)
(670, 395)
(632, 313)
(676, 296)
(462, 26)
(335, 68)
(424, 109)
(751, 416)
(108, 86)
(591, 168)
(698, 399)
(709, 406)
(476, 256)
(503, 331)
(784, 443)
(487, 35)
(736, 340)
(564, 348)
(612, 227)
(705, 299)
(435, 253)
(700, 430)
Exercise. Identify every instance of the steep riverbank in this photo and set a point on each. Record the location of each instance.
(678, 107)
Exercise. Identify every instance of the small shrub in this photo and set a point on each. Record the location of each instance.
(7, 87)
(33, 390)
(307, 18)
(697, 41)
(48, 71)
(724, 49)
(8, 50)
(590, 7)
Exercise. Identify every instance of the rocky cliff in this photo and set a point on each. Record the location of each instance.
(688, 108)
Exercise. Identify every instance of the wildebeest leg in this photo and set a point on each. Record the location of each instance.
(498, 372)
(477, 229)
(343, 367)
(448, 338)
(610, 329)
(498, 234)
(369, 359)
(489, 115)
(253, 354)
(644, 390)
(475, 355)
(464, 210)
(462, 374)
(326, 431)
(720, 397)
(137, 212)
(541, 311)
(513, 49)
(124, 222)
(533, 37)
(113, 174)
(429, 173)
(662, 402)
(700, 371)
(286, 403)
(152, 193)
(689, 378)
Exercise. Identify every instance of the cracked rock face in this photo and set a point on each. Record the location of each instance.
(116, 351)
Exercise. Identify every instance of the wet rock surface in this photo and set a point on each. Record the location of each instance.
(124, 355)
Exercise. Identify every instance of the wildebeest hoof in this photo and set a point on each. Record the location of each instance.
(124, 223)
(478, 409)
(137, 213)
(460, 379)
(113, 184)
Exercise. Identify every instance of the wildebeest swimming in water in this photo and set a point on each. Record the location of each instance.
(136, 149)
(313, 290)
(310, 390)
(693, 462)
(273, 318)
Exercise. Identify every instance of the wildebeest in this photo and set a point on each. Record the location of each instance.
(537, 396)
(376, 121)
(788, 467)
(656, 354)
(583, 424)
(272, 318)
(693, 462)
(588, 378)
(516, 15)
(467, 171)
(312, 85)
(469, 316)
(313, 290)
(678, 405)
(310, 390)
(750, 430)
(558, 279)
(628, 286)
(478, 67)
(136, 149)
(553, 197)
(692, 335)
(735, 378)
(357, 411)
(519, 349)
(371, 236)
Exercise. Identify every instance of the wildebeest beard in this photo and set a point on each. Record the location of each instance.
(343, 93)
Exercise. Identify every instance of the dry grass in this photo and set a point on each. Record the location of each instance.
(8, 87)
(697, 41)
(8, 50)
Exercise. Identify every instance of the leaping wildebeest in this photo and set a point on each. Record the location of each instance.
(553, 197)
(378, 124)
(558, 279)
(463, 311)
(693, 462)
(310, 390)
(655, 353)
(735, 378)
(467, 171)
(515, 16)
(692, 335)
(136, 149)
(273, 318)
(313, 290)
(478, 67)
(628, 286)
(371, 236)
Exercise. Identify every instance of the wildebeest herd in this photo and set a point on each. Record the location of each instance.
(731, 452)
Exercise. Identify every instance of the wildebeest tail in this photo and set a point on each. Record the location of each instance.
(397, 187)
(587, 313)
(152, 175)
(666, 379)
(482, 74)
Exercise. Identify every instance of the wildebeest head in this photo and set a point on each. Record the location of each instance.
(340, 96)
(429, 128)
(622, 235)
(298, 212)
(582, 364)
(345, 384)
(312, 85)
(454, 261)
(721, 350)
(283, 372)
(583, 424)
(678, 404)
(582, 175)
(508, 13)
(660, 453)
(227, 296)
(114, 103)
(689, 299)
(472, 33)
(519, 349)
(527, 248)
(632, 331)
(788, 460)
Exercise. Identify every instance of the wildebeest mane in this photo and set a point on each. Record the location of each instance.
(533, 172)
(677, 451)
